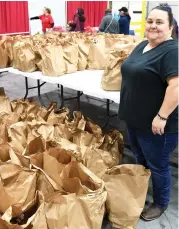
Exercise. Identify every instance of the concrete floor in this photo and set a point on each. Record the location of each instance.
(14, 86)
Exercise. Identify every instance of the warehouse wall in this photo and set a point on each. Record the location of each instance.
(58, 12)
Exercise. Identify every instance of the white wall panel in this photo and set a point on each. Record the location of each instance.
(173, 4)
(135, 6)
(58, 12)
(116, 5)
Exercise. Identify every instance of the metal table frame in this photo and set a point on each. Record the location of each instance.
(77, 97)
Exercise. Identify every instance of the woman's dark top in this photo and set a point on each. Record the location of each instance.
(78, 25)
(144, 83)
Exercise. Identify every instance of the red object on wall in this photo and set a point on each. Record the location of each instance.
(94, 11)
(14, 17)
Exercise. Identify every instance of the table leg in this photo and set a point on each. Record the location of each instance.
(39, 95)
(26, 87)
(62, 98)
(78, 100)
(38, 87)
(3, 72)
(107, 107)
(108, 114)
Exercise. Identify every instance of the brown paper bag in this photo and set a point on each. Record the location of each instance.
(127, 48)
(27, 110)
(18, 158)
(19, 106)
(20, 155)
(84, 138)
(37, 145)
(83, 47)
(32, 111)
(114, 143)
(3, 133)
(59, 116)
(97, 57)
(6, 225)
(45, 112)
(51, 65)
(17, 146)
(61, 211)
(8, 43)
(62, 131)
(87, 178)
(85, 192)
(127, 39)
(78, 122)
(92, 127)
(38, 60)
(70, 56)
(65, 144)
(98, 161)
(3, 55)
(40, 129)
(110, 42)
(4, 152)
(24, 56)
(112, 78)
(15, 48)
(44, 185)
(82, 123)
(9, 118)
(21, 222)
(50, 167)
(5, 105)
(18, 133)
(17, 188)
(127, 187)
(61, 155)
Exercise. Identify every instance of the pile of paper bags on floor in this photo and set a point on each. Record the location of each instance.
(57, 172)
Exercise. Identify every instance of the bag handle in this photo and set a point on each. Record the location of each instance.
(108, 25)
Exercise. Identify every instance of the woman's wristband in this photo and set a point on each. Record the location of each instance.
(162, 118)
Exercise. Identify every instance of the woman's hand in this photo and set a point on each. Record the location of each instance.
(158, 125)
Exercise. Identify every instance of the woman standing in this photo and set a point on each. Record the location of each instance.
(46, 18)
(149, 100)
(124, 21)
(78, 21)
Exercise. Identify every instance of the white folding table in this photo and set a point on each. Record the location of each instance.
(86, 82)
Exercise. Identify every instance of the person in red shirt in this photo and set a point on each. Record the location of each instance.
(46, 18)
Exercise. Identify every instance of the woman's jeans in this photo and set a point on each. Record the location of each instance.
(153, 152)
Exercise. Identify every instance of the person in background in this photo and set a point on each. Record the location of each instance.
(116, 15)
(78, 22)
(175, 24)
(109, 24)
(124, 21)
(46, 18)
(149, 104)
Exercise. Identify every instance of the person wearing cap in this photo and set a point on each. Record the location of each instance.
(109, 24)
(124, 21)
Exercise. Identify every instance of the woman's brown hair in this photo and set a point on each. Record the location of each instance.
(48, 10)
